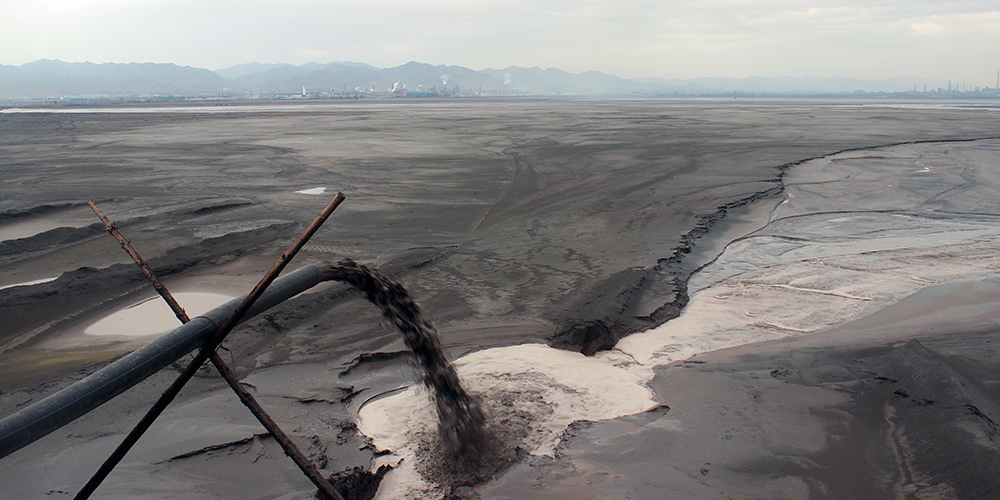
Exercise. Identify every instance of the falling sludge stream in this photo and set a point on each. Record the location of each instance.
(756, 289)
(531, 393)
(461, 424)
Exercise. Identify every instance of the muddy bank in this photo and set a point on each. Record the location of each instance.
(565, 219)
(866, 349)
(867, 249)
(897, 405)
(510, 223)
(910, 419)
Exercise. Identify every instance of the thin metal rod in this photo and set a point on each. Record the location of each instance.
(276, 269)
(289, 447)
(37, 420)
(178, 384)
(127, 246)
(279, 435)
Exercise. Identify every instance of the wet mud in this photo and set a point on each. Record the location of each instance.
(808, 420)
(866, 336)
(357, 483)
(461, 422)
(568, 222)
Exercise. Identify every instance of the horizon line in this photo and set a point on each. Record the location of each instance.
(871, 79)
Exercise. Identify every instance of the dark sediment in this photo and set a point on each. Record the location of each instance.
(357, 483)
(88, 290)
(613, 307)
(461, 426)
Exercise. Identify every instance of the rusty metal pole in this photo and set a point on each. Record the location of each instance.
(178, 384)
(224, 369)
(127, 246)
(51, 412)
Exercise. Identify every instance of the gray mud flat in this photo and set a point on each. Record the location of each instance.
(864, 411)
(574, 222)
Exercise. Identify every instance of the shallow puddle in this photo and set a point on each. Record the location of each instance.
(30, 226)
(153, 317)
(315, 190)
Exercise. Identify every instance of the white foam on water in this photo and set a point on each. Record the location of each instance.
(153, 317)
(824, 258)
(313, 191)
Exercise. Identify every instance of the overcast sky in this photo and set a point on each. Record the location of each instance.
(957, 40)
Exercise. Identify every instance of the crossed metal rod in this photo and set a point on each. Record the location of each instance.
(208, 352)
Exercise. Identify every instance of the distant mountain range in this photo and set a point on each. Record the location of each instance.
(50, 78)
(57, 78)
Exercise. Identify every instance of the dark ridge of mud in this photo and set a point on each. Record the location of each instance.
(77, 293)
(368, 357)
(217, 446)
(589, 337)
(218, 207)
(461, 420)
(20, 213)
(36, 244)
(614, 301)
(41, 243)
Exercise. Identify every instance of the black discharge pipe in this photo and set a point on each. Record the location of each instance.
(34, 422)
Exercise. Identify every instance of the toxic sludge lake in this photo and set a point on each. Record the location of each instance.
(853, 262)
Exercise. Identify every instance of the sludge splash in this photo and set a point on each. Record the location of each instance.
(461, 420)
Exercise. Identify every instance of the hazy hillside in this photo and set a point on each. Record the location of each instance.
(789, 84)
(440, 77)
(241, 70)
(56, 78)
(348, 76)
(46, 78)
(555, 81)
